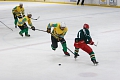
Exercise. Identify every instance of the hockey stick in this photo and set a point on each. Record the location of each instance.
(36, 18)
(6, 25)
(70, 50)
(96, 44)
(54, 36)
(41, 30)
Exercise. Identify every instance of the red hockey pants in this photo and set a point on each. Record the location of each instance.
(82, 45)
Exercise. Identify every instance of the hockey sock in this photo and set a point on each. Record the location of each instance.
(26, 31)
(76, 50)
(16, 20)
(22, 31)
(92, 56)
(64, 47)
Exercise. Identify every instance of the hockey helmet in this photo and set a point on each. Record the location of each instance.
(86, 26)
(21, 5)
(29, 15)
(62, 25)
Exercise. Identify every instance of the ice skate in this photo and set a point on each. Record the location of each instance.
(21, 34)
(95, 62)
(27, 35)
(15, 26)
(66, 53)
(76, 55)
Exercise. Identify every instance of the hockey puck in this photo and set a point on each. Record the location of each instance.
(59, 64)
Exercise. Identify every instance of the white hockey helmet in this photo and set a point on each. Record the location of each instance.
(62, 25)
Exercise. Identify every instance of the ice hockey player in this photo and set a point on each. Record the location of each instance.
(82, 3)
(23, 26)
(17, 11)
(82, 41)
(57, 35)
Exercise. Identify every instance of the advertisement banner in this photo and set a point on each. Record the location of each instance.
(113, 2)
(103, 2)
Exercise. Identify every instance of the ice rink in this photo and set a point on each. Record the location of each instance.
(31, 58)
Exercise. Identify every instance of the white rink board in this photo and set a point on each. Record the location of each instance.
(86, 1)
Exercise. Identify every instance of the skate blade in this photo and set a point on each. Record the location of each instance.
(95, 64)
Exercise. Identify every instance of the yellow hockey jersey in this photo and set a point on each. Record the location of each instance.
(18, 11)
(21, 21)
(57, 31)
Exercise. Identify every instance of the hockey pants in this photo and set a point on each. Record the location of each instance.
(55, 43)
(24, 29)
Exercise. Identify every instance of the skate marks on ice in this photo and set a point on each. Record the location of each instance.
(88, 74)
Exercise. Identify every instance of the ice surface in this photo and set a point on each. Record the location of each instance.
(31, 58)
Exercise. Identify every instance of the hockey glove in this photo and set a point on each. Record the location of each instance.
(48, 30)
(60, 39)
(77, 40)
(91, 42)
(23, 15)
(33, 28)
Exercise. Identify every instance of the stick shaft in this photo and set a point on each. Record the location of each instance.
(70, 50)
(96, 44)
(55, 37)
(6, 25)
(41, 30)
(36, 18)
